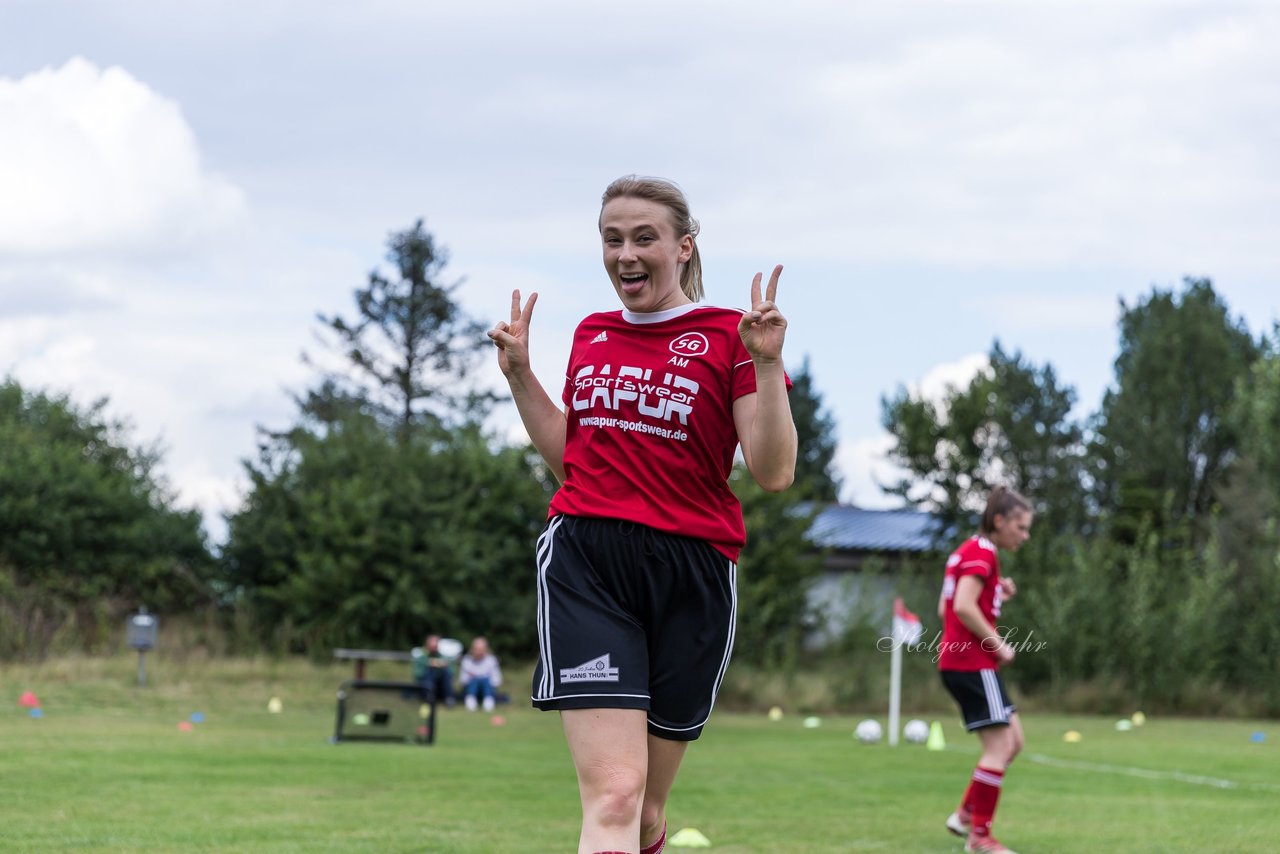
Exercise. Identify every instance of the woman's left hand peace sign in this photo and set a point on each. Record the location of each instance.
(763, 327)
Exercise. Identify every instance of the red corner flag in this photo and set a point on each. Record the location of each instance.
(906, 625)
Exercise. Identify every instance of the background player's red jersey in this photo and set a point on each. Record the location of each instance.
(962, 649)
(650, 433)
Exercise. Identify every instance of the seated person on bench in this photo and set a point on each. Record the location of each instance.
(433, 671)
(481, 675)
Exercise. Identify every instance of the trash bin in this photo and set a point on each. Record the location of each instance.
(140, 632)
(142, 628)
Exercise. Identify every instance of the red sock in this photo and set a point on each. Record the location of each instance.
(985, 791)
(658, 844)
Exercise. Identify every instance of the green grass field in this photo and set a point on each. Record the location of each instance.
(108, 769)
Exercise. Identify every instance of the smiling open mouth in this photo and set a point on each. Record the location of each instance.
(633, 281)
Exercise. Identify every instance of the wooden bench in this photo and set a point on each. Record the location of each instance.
(360, 656)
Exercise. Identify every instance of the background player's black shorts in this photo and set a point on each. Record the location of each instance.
(982, 697)
(632, 618)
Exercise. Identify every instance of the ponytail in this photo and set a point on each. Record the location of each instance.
(691, 276)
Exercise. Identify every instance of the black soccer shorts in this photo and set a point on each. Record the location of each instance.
(632, 618)
(981, 695)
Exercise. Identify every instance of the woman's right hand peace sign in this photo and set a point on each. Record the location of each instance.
(512, 338)
(763, 328)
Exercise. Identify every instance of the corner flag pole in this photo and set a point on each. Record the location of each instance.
(906, 630)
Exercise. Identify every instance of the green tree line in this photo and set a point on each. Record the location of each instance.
(385, 511)
(88, 529)
(1153, 572)
(388, 508)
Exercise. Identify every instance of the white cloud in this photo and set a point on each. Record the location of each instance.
(1035, 140)
(865, 467)
(19, 336)
(214, 495)
(864, 460)
(947, 377)
(93, 159)
(48, 289)
(68, 360)
(912, 148)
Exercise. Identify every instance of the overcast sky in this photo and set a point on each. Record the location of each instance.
(183, 186)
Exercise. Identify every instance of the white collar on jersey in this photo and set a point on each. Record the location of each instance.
(657, 316)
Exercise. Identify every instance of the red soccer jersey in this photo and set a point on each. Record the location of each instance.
(961, 648)
(651, 439)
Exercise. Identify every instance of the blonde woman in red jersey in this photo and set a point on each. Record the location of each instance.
(971, 655)
(636, 568)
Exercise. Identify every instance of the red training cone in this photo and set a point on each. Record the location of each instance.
(28, 700)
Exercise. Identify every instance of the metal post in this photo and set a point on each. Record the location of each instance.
(895, 691)
(142, 667)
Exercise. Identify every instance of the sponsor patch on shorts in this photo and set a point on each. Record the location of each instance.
(595, 670)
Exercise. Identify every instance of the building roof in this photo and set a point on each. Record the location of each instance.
(845, 527)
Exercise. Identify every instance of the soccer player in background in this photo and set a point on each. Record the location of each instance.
(637, 588)
(972, 653)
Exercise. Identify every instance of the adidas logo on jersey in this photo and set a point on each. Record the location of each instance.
(599, 338)
(595, 670)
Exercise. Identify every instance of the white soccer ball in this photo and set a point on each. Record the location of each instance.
(916, 732)
(868, 731)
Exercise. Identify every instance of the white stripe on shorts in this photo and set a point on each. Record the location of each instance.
(543, 559)
(724, 661)
(995, 702)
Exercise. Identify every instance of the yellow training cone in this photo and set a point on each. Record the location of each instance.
(689, 837)
(1071, 737)
(775, 714)
(937, 741)
(1138, 719)
(274, 705)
